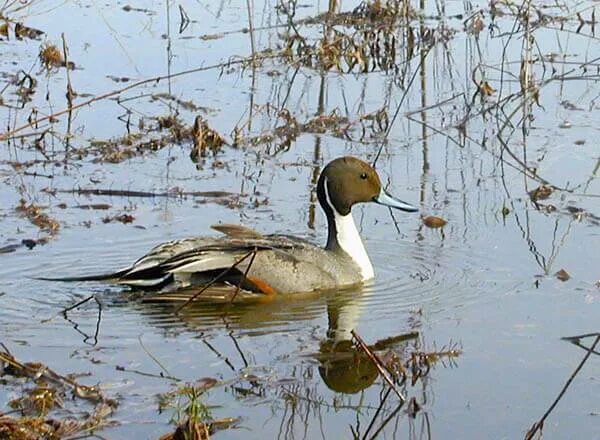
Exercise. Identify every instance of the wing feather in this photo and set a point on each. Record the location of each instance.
(178, 260)
(209, 262)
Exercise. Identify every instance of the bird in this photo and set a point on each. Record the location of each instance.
(245, 261)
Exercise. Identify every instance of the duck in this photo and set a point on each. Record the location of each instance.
(242, 259)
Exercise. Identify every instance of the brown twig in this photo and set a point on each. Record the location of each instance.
(213, 281)
(539, 425)
(79, 303)
(64, 311)
(397, 112)
(379, 408)
(161, 375)
(164, 373)
(576, 340)
(237, 290)
(184, 20)
(218, 353)
(386, 421)
(378, 364)
(70, 93)
(434, 106)
(250, 8)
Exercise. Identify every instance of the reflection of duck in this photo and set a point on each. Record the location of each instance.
(345, 368)
(246, 316)
(269, 264)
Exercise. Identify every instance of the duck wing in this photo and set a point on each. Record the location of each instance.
(200, 258)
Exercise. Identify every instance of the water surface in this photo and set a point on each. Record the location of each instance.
(485, 284)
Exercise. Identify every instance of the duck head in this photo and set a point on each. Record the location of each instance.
(343, 183)
(347, 181)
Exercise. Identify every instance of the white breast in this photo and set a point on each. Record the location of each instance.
(349, 240)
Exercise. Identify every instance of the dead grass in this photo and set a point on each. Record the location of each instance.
(36, 215)
(51, 57)
(42, 407)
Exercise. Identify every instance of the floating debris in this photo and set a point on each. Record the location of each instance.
(186, 105)
(122, 218)
(579, 214)
(542, 192)
(42, 405)
(204, 138)
(195, 430)
(36, 216)
(174, 192)
(434, 222)
(29, 243)
(129, 8)
(192, 416)
(562, 275)
(96, 206)
(172, 131)
(486, 89)
(22, 31)
(51, 57)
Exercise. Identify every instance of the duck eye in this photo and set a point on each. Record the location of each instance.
(363, 176)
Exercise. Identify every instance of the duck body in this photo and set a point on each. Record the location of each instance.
(246, 261)
(267, 264)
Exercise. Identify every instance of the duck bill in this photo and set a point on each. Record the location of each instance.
(387, 200)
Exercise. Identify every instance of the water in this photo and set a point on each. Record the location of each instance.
(485, 284)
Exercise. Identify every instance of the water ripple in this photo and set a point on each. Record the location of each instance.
(410, 276)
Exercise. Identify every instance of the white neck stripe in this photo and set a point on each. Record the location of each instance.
(349, 239)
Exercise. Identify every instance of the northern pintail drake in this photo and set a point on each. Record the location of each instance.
(271, 264)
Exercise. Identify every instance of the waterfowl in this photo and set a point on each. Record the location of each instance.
(271, 264)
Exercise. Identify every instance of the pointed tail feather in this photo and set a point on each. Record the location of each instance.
(96, 277)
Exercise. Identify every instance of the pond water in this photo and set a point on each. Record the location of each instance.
(470, 109)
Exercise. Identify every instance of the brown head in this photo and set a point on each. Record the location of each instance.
(346, 181)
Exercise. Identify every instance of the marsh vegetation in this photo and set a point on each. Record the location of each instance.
(128, 124)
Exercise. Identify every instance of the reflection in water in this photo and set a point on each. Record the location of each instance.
(343, 366)
(317, 157)
(90, 339)
(279, 314)
(347, 370)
